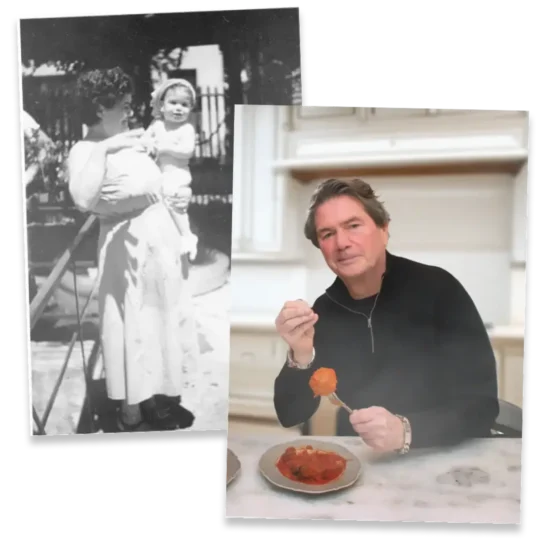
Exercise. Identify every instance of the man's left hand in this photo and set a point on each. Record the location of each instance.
(378, 428)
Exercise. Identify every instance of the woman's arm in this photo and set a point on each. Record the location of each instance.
(150, 134)
(183, 148)
(127, 205)
(86, 166)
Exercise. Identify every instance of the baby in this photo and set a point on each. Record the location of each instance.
(172, 139)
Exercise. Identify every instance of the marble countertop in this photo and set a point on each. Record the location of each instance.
(476, 482)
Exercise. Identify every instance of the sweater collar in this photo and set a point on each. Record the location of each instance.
(338, 291)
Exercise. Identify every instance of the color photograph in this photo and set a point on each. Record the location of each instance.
(378, 314)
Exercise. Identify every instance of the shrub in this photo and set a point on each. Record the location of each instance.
(51, 159)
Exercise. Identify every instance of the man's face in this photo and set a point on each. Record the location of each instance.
(349, 239)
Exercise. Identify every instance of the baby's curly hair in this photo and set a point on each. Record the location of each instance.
(101, 87)
(355, 188)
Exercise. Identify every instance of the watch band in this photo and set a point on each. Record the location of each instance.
(406, 435)
(293, 364)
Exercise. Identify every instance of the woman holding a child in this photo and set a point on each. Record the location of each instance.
(147, 326)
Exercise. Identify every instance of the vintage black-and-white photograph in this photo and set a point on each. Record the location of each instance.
(127, 131)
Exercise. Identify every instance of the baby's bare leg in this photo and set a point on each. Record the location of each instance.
(179, 203)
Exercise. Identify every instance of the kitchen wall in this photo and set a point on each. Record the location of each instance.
(454, 183)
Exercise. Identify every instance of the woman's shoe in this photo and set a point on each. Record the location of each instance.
(157, 416)
(184, 417)
(167, 401)
(140, 426)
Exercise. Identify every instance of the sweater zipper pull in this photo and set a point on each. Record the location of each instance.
(370, 325)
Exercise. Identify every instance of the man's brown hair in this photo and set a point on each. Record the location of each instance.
(355, 188)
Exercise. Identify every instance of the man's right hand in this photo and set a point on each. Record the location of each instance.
(295, 324)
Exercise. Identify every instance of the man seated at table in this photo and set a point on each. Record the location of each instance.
(410, 351)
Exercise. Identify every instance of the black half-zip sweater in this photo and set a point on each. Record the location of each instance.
(426, 356)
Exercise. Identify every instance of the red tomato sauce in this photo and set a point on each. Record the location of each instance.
(311, 466)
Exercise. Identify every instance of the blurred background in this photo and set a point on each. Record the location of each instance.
(454, 183)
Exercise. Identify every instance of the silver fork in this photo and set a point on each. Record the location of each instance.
(335, 400)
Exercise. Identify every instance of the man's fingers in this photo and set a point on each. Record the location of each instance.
(361, 416)
(304, 327)
(290, 325)
(290, 311)
(367, 414)
(298, 302)
(368, 429)
(299, 305)
(287, 316)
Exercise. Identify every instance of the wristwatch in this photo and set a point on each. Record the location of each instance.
(293, 364)
(406, 435)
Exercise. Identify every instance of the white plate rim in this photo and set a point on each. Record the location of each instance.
(267, 467)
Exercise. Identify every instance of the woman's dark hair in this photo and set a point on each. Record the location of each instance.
(101, 87)
(357, 189)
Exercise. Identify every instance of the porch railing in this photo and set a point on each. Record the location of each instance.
(37, 308)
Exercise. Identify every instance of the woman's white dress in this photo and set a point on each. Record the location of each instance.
(148, 332)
